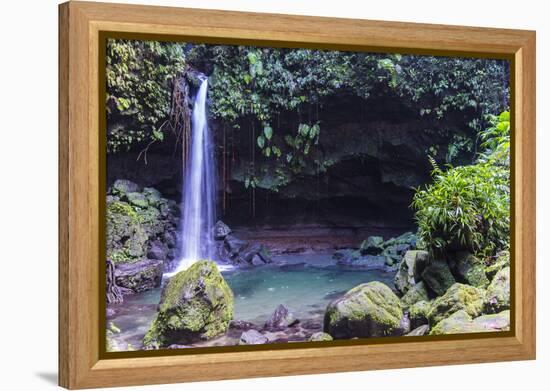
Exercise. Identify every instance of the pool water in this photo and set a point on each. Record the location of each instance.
(305, 284)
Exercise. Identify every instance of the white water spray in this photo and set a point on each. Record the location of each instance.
(198, 202)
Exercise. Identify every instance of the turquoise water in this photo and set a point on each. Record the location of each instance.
(305, 285)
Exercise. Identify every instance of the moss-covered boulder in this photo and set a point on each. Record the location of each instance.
(497, 298)
(461, 322)
(470, 269)
(373, 245)
(438, 277)
(319, 337)
(410, 270)
(458, 297)
(368, 310)
(501, 261)
(418, 313)
(417, 293)
(195, 304)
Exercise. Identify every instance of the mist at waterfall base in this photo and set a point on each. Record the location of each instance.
(199, 188)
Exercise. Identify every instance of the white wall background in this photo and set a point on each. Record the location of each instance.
(28, 193)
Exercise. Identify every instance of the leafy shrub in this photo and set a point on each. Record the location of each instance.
(139, 85)
(468, 207)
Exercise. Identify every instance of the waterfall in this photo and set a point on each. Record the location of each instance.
(198, 192)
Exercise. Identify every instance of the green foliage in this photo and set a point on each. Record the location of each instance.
(468, 207)
(139, 86)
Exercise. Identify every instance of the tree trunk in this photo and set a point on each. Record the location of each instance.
(114, 294)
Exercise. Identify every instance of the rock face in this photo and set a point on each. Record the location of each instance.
(252, 337)
(461, 322)
(410, 270)
(139, 276)
(195, 304)
(368, 310)
(221, 230)
(140, 224)
(319, 337)
(280, 319)
(498, 292)
(458, 297)
(438, 277)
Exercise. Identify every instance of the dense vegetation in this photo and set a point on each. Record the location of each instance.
(468, 207)
(276, 96)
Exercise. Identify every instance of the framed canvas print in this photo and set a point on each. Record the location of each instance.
(249, 195)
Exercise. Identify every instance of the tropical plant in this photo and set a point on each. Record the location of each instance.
(468, 207)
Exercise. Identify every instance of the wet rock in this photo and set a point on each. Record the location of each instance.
(373, 245)
(459, 297)
(368, 310)
(319, 337)
(417, 293)
(410, 269)
(419, 331)
(497, 298)
(195, 304)
(158, 250)
(368, 262)
(139, 276)
(461, 322)
(280, 319)
(438, 277)
(137, 199)
(418, 313)
(121, 187)
(252, 337)
(153, 196)
(501, 261)
(221, 230)
(176, 346)
(241, 325)
(470, 269)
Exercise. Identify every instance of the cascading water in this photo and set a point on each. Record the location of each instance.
(198, 202)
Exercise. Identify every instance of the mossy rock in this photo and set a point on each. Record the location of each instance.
(500, 262)
(470, 269)
(417, 293)
(458, 297)
(497, 298)
(410, 269)
(373, 245)
(126, 237)
(438, 277)
(153, 196)
(319, 337)
(137, 199)
(461, 323)
(195, 304)
(121, 187)
(418, 313)
(368, 310)
(419, 331)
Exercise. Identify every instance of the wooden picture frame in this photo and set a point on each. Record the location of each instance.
(81, 24)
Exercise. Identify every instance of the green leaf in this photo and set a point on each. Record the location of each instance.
(261, 141)
(504, 116)
(158, 135)
(268, 131)
(268, 151)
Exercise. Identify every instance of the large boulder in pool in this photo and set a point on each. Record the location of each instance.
(195, 304)
(368, 310)
(437, 275)
(458, 297)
